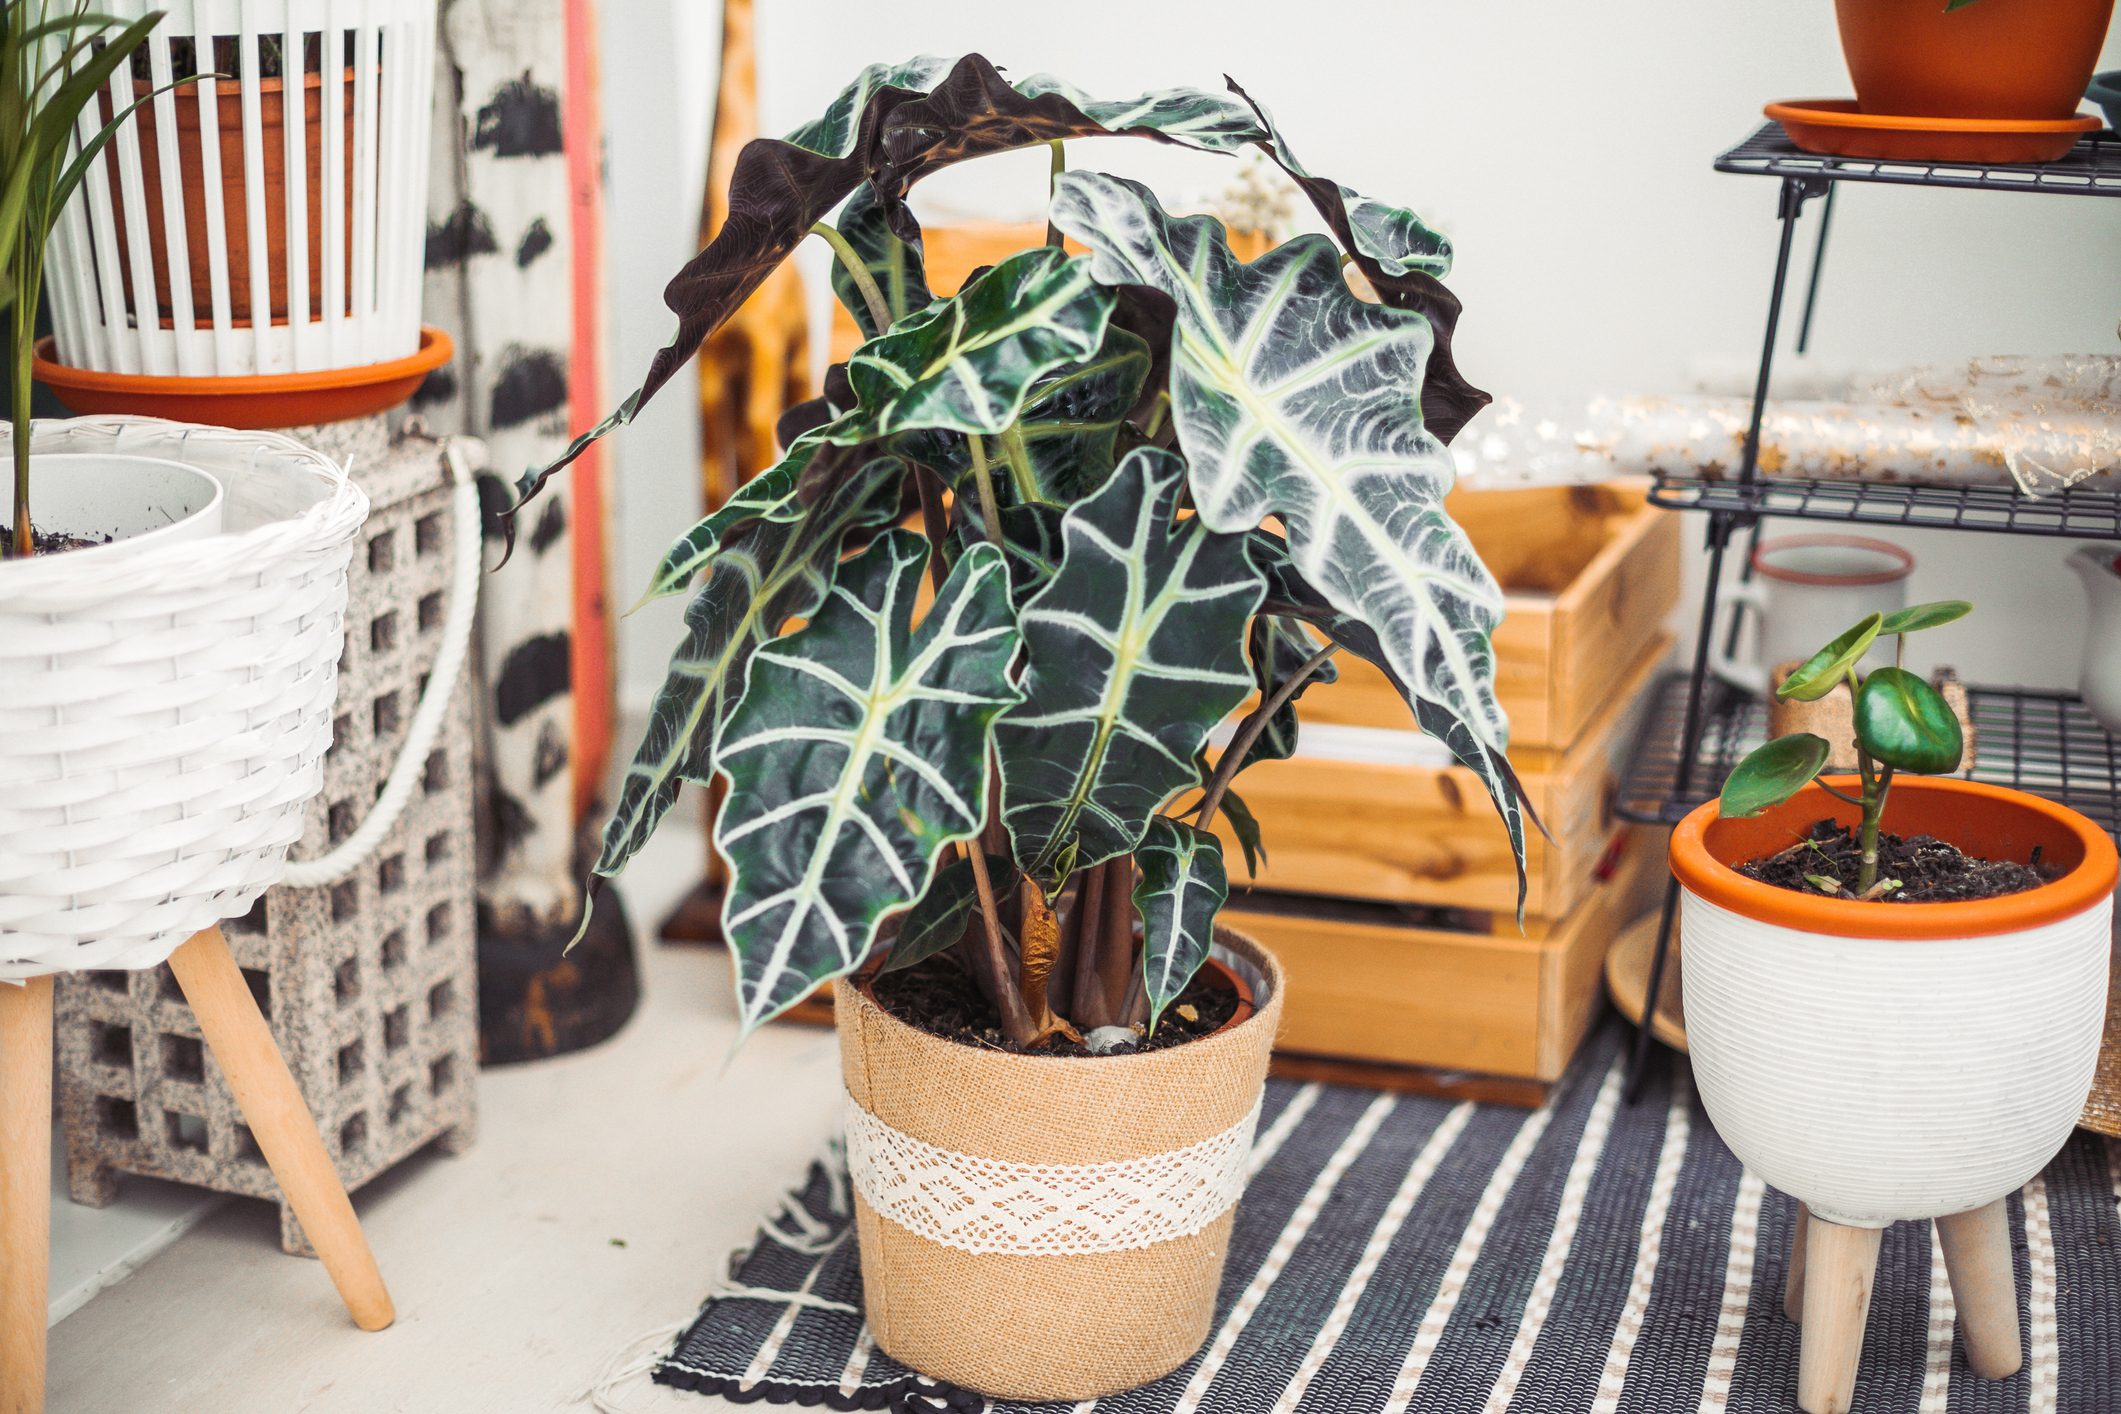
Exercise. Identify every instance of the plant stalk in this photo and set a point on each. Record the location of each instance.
(1873, 815)
(989, 509)
(1115, 939)
(1053, 175)
(879, 307)
(1018, 457)
(1248, 732)
(1086, 1002)
(1016, 1017)
(24, 323)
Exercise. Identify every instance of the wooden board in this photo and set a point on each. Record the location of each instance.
(1406, 834)
(1411, 1079)
(1364, 986)
(1627, 978)
(1589, 574)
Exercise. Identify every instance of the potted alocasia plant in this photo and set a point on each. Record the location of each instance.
(1150, 482)
(1895, 987)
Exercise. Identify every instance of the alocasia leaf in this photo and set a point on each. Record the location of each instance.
(1404, 261)
(1277, 648)
(895, 264)
(1031, 540)
(768, 496)
(1132, 655)
(1295, 399)
(858, 752)
(1289, 594)
(773, 571)
(1182, 887)
(1071, 420)
(938, 919)
(966, 364)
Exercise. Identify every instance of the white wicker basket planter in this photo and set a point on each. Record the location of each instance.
(297, 245)
(168, 708)
(369, 979)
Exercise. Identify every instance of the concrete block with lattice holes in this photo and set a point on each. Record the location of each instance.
(370, 983)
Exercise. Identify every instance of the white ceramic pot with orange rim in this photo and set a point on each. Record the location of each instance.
(1881, 1061)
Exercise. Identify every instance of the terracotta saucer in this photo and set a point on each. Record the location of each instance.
(266, 400)
(1837, 128)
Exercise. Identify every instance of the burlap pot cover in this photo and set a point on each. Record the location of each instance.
(1068, 1216)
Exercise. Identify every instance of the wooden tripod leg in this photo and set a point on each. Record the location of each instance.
(280, 1121)
(1839, 1264)
(1977, 1257)
(25, 1190)
(1793, 1284)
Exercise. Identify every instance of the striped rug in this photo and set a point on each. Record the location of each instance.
(1398, 1254)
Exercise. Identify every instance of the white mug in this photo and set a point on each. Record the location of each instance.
(1805, 590)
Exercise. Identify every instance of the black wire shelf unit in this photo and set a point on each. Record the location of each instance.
(2042, 742)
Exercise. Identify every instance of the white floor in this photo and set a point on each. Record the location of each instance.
(602, 1199)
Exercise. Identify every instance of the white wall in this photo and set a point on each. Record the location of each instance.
(1565, 147)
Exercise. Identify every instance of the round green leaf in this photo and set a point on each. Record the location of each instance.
(1773, 773)
(1921, 616)
(1904, 722)
(1819, 674)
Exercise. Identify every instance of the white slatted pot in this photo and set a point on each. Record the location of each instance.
(167, 702)
(298, 245)
(1881, 1061)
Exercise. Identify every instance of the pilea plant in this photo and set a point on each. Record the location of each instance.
(1151, 481)
(1901, 724)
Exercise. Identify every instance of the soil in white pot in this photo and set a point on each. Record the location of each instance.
(940, 998)
(46, 542)
(1929, 870)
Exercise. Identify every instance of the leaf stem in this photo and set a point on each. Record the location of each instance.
(1086, 1001)
(1016, 1017)
(879, 309)
(1018, 456)
(1838, 794)
(1248, 732)
(1157, 410)
(1053, 176)
(989, 510)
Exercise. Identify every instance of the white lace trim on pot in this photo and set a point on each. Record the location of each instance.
(990, 1205)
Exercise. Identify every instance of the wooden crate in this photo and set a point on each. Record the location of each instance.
(1589, 574)
(1355, 827)
(1368, 986)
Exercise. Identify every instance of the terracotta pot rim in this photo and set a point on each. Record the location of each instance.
(1701, 869)
(1250, 1013)
(1859, 580)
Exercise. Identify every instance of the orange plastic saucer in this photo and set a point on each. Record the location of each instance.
(1838, 128)
(259, 400)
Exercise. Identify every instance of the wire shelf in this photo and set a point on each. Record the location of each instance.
(2074, 513)
(2091, 168)
(2045, 743)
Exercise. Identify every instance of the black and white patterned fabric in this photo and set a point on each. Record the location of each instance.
(1396, 1253)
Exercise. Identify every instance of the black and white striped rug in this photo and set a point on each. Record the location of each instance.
(1396, 1253)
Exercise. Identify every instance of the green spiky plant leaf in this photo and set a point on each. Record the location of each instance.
(1132, 655)
(857, 753)
(1182, 888)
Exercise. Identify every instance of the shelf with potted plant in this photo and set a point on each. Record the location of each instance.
(2048, 741)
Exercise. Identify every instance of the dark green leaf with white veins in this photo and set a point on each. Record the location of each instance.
(894, 264)
(770, 572)
(858, 752)
(939, 918)
(1278, 647)
(1133, 654)
(770, 496)
(1294, 398)
(966, 363)
(1182, 888)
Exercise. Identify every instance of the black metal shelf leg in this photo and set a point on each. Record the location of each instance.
(1795, 192)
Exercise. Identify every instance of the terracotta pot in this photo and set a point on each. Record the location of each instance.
(1048, 1227)
(1881, 1061)
(1991, 59)
(235, 182)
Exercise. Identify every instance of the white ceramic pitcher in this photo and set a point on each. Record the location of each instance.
(2100, 569)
